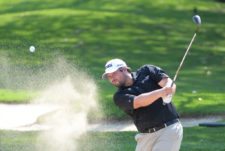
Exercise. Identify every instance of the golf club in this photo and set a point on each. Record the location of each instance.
(197, 20)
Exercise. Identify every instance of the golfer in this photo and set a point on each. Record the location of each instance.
(140, 94)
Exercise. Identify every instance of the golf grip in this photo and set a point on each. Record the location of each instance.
(182, 61)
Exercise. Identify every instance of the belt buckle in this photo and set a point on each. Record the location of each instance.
(165, 125)
(154, 129)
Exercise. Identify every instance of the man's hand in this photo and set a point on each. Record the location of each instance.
(166, 91)
(167, 82)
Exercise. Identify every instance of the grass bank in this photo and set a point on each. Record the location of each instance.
(195, 139)
(88, 33)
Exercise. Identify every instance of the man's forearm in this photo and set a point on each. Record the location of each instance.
(148, 98)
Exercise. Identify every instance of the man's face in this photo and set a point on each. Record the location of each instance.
(117, 78)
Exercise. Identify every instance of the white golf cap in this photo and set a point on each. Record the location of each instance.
(113, 65)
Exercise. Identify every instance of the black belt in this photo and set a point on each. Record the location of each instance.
(154, 129)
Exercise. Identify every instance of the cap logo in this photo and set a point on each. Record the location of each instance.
(108, 66)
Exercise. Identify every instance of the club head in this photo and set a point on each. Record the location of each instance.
(196, 19)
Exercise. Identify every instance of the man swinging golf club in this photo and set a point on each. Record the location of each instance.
(146, 96)
(140, 95)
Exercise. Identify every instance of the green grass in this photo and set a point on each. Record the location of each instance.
(195, 139)
(16, 96)
(88, 33)
(200, 104)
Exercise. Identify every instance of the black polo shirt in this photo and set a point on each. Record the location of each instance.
(146, 79)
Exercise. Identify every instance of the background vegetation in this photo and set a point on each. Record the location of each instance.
(87, 33)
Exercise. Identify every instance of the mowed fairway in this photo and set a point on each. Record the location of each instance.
(195, 139)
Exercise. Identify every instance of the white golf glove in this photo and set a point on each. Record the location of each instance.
(168, 98)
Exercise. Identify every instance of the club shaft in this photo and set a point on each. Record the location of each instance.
(182, 61)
